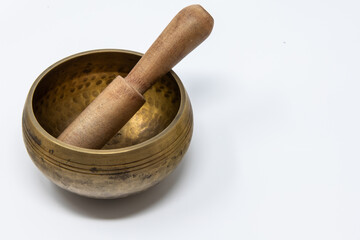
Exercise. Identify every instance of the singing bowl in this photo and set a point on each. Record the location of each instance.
(141, 154)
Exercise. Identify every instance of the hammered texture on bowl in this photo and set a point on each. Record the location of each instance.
(73, 87)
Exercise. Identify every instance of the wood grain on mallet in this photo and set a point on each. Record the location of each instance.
(119, 101)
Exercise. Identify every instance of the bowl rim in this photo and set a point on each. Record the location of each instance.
(70, 147)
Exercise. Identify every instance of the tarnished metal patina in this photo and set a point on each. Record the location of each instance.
(141, 154)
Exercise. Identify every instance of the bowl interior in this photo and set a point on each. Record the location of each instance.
(68, 87)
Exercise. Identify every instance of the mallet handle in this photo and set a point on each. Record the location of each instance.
(190, 27)
(119, 101)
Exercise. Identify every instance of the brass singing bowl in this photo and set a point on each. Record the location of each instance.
(141, 154)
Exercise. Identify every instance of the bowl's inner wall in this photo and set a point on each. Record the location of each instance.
(68, 88)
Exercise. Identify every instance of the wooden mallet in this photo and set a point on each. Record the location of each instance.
(122, 98)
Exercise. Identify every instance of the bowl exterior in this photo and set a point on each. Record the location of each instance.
(108, 173)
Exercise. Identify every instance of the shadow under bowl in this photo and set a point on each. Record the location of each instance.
(141, 154)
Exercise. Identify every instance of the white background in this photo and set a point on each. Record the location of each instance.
(275, 151)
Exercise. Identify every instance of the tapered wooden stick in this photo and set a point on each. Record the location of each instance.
(121, 99)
